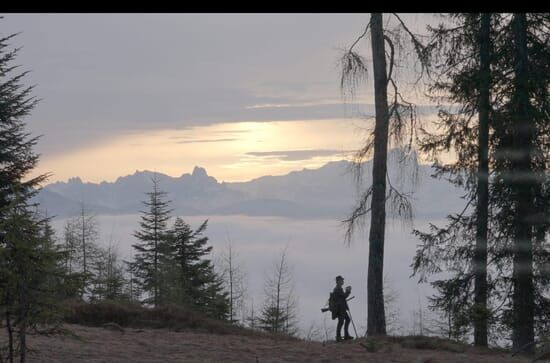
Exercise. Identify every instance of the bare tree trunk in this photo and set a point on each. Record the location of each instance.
(84, 241)
(23, 343)
(278, 301)
(480, 255)
(23, 321)
(450, 325)
(86, 229)
(69, 245)
(230, 261)
(376, 324)
(10, 336)
(156, 264)
(83, 238)
(156, 276)
(522, 174)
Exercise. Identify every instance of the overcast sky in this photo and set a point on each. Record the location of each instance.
(121, 92)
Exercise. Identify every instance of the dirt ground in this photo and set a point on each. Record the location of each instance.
(161, 345)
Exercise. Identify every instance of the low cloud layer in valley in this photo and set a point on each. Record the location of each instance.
(302, 211)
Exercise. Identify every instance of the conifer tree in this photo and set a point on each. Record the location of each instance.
(17, 158)
(278, 313)
(109, 280)
(30, 267)
(86, 229)
(151, 247)
(81, 234)
(69, 242)
(499, 242)
(234, 281)
(522, 155)
(74, 279)
(27, 260)
(464, 55)
(193, 279)
(214, 299)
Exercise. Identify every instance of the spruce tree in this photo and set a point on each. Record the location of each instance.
(214, 300)
(27, 261)
(31, 268)
(17, 158)
(522, 170)
(464, 55)
(151, 247)
(493, 256)
(193, 279)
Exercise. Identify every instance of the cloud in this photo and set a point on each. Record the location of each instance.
(230, 131)
(296, 104)
(295, 155)
(114, 74)
(204, 140)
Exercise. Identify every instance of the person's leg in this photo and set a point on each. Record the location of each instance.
(346, 326)
(339, 327)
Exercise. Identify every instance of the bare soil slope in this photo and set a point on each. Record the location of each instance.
(115, 344)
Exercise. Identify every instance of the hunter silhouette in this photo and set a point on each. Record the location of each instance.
(340, 309)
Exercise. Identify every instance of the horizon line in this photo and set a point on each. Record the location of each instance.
(206, 171)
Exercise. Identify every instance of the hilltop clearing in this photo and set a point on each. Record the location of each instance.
(111, 344)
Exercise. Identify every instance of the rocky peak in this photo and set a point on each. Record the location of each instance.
(199, 172)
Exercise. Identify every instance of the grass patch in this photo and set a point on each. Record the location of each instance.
(391, 343)
(132, 315)
(422, 342)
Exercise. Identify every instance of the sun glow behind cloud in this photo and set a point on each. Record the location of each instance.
(230, 151)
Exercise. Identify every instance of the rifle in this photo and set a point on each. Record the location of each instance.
(324, 310)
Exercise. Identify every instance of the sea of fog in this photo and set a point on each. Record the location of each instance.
(316, 253)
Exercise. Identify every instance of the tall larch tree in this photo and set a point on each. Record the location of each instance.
(395, 120)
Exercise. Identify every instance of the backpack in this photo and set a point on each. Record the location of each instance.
(332, 303)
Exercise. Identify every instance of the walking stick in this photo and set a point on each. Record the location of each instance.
(352, 323)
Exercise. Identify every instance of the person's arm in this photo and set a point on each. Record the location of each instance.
(346, 294)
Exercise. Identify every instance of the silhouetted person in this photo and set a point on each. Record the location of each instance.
(341, 310)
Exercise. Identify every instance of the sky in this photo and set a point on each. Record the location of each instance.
(243, 95)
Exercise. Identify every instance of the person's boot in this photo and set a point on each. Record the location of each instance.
(339, 339)
(348, 337)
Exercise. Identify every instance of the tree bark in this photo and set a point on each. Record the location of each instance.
(23, 343)
(376, 324)
(9, 329)
(480, 255)
(230, 286)
(522, 182)
(278, 302)
(156, 281)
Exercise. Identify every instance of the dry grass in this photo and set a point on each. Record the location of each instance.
(390, 343)
(114, 332)
(117, 316)
(97, 344)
